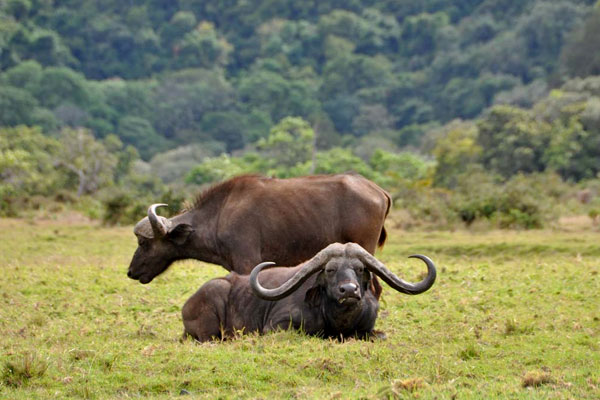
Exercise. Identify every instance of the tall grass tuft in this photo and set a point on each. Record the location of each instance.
(20, 370)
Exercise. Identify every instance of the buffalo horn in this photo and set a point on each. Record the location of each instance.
(312, 266)
(377, 267)
(158, 226)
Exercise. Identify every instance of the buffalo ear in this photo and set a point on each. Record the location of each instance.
(371, 283)
(375, 286)
(180, 233)
(314, 294)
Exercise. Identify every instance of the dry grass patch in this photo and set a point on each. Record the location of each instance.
(410, 384)
(536, 378)
(398, 388)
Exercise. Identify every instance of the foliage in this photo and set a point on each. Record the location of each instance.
(154, 73)
(413, 96)
(338, 160)
(26, 159)
(580, 55)
(88, 159)
(289, 144)
(27, 166)
(172, 166)
(214, 169)
(513, 141)
(126, 207)
(456, 149)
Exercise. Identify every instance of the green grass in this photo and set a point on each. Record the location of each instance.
(512, 315)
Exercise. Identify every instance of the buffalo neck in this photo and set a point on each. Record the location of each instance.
(201, 244)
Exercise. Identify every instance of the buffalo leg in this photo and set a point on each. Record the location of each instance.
(204, 313)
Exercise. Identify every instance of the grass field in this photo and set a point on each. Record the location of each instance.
(512, 315)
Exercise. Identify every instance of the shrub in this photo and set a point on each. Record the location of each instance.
(524, 201)
(116, 208)
(122, 207)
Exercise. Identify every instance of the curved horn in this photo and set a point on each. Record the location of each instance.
(377, 267)
(158, 227)
(312, 266)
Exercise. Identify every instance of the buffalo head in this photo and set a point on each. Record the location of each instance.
(159, 241)
(344, 276)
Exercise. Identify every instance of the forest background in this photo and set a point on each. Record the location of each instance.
(473, 111)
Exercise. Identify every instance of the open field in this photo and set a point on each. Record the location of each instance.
(512, 315)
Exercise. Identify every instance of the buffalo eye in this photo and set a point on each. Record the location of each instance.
(329, 271)
(359, 269)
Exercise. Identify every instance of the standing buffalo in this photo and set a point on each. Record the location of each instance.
(330, 295)
(247, 219)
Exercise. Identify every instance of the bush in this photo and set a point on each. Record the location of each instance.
(524, 201)
(122, 207)
(8, 201)
(116, 208)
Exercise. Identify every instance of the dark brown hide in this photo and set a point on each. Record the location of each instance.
(247, 219)
(334, 300)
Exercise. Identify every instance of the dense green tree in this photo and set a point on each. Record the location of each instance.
(400, 166)
(367, 75)
(543, 30)
(347, 74)
(181, 23)
(173, 165)
(342, 110)
(215, 169)
(290, 143)
(512, 141)
(19, 9)
(370, 33)
(47, 48)
(225, 126)
(201, 48)
(456, 149)
(139, 132)
(338, 160)
(372, 118)
(298, 42)
(27, 161)
(62, 85)
(272, 93)
(126, 155)
(420, 35)
(15, 106)
(581, 55)
(88, 159)
(574, 148)
(26, 75)
(121, 98)
(181, 100)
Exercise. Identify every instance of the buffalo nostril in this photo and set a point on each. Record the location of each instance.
(129, 274)
(348, 287)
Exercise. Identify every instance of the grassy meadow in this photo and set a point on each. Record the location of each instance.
(512, 315)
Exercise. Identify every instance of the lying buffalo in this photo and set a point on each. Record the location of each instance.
(330, 295)
(247, 219)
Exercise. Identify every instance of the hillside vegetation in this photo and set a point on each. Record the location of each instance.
(137, 102)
